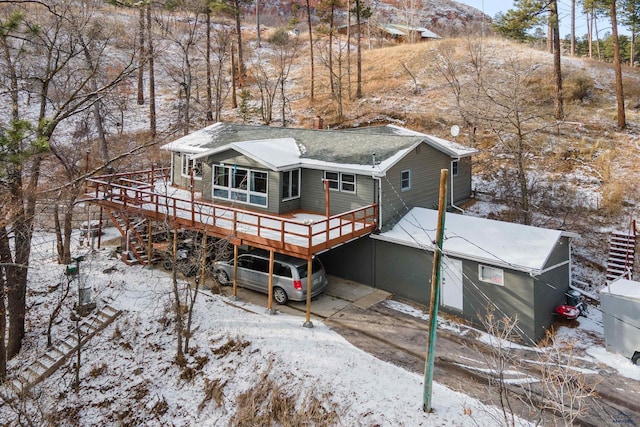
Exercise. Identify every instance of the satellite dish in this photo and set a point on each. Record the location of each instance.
(455, 130)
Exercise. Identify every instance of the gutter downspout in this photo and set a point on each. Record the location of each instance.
(452, 204)
(379, 179)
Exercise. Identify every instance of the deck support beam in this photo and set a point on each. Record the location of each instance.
(307, 323)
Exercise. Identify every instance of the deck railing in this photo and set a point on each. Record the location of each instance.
(147, 193)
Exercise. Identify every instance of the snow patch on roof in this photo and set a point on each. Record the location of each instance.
(514, 246)
(449, 147)
(623, 288)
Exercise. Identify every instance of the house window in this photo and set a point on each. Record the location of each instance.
(291, 184)
(189, 165)
(333, 178)
(405, 180)
(240, 184)
(454, 168)
(491, 275)
(345, 182)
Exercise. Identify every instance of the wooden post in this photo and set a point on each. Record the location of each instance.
(100, 227)
(149, 244)
(435, 295)
(270, 302)
(308, 323)
(193, 212)
(327, 208)
(203, 267)
(235, 271)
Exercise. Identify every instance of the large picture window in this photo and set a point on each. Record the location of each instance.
(491, 275)
(240, 184)
(338, 181)
(291, 184)
(189, 165)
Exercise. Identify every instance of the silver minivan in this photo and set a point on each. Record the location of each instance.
(289, 275)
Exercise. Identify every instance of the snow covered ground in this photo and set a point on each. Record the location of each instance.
(242, 361)
(128, 372)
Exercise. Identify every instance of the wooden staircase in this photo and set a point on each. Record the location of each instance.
(622, 249)
(134, 230)
(49, 361)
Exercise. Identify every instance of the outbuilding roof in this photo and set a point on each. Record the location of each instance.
(370, 150)
(504, 244)
(623, 288)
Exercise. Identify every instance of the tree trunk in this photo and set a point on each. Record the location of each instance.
(550, 27)
(573, 27)
(358, 52)
(177, 308)
(152, 80)
(58, 229)
(5, 258)
(208, 58)
(241, 67)
(234, 78)
(331, 74)
(590, 33)
(312, 76)
(632, 49)
(97, 115)
(258, 22)
(141, 58)
(348, 48)
(622, 122)
(558, 112)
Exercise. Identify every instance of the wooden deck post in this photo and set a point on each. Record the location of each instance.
(307, 323)
(100, 227)
(235, 270)
(327, 208)
(270, 302)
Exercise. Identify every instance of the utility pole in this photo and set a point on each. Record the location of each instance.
(435, 294)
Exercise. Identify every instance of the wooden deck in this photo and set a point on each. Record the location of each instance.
(148, 194)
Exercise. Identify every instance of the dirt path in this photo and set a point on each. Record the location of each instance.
(462, 364)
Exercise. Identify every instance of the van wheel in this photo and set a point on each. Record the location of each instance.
(635, 359)
(280, 296)
(222, 277)
(167, 264)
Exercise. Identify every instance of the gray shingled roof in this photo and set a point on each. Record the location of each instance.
(337, 146)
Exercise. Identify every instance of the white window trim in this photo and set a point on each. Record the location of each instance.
(489, 280)
(341, 182)
(402, 180)
(229, 188)
(291, 171)
(184, 166)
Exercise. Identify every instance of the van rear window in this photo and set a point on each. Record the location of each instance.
(315, 265)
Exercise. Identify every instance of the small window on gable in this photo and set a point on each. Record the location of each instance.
(454, 168)
(491, 275)
(405, 180)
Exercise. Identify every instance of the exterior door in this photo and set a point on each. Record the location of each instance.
(451, 290)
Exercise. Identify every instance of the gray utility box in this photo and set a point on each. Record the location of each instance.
(620, 304)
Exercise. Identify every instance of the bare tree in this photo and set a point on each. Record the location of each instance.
(501, 97)
(185, 35)
(622, 121)
(53, 72)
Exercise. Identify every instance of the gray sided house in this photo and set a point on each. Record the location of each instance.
(520, 271)
(282, 170)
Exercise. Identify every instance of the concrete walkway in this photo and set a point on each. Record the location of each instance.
(339, 295)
